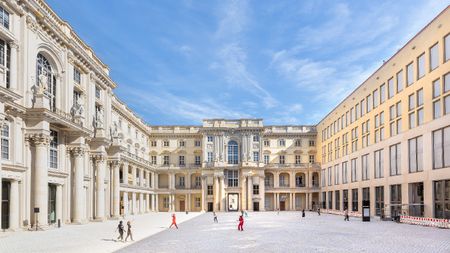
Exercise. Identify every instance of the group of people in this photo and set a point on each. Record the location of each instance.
(121, 230)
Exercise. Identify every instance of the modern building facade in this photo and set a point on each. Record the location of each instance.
(72, 152)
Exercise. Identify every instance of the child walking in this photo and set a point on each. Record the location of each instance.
(174, 221)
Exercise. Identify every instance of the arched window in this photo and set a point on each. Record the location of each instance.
(233, 152)
(5, 140)
(43, 67)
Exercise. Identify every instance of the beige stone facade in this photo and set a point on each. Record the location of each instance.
(72, 152)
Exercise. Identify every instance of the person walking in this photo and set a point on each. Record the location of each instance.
(174, 221)
(347, 218)
(303, 213)
(241, 223)
(215, 217)
(318, 211)
(129, 234)
(120, 228)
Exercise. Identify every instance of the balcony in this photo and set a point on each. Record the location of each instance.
(180, 187)
(196, 187)
(136, 158)
(287, 165)
(178, 165)
(299, 185)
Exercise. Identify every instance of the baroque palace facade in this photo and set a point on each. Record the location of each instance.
(72, 152)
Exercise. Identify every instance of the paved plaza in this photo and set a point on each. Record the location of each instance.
(288, 232)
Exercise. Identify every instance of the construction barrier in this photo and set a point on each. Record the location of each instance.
(350, 213)
(422, 221)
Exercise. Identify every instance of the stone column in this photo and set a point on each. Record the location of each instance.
(216, 194)
(13, 66)
(222, 194)
(116, 189)
(204, 193)
(133, 204)
(133, 173)
(250, 193)
(156, 202)
(100, 203)
(262, 194)
(274, 201)
(125, 203)
(59, 203)
(147, 202)
(40, 191)
(141, 177)
(141, 202)
(153, 203)
(307, 201)
(244, 193)
(14, 206)
(79, 193)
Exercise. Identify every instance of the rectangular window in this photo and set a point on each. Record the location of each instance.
(337, 199)
(376, 97)
(434, 56)
(382, 93)
(437, 109)
(197, 202)
(344, 173)
(256, 138)
(5, 140)
(379, 200)
(281, 143)
(256, 156)
(396, 200)
(421, 66)
(4, 18)
(281, 159)
(266, 159)
(181, 160)
(210, 138)
(400, 81)
(329, 176)
(436, 88)
(447, 105)
(233, 178)
(255, 189)
(442, 199)
(197, 143)
(447, 47)
(197, 160)
(441, 148)
(76, 75)
(298, 159)
(411, 102)
(97, 92)
(153, 159)
(369, 103)
(336, 174)
(391, 88)
(395, 159)
(182, 143)
(266, 143)
(416, 207)
(364, 167)
(210, 190)
(447, 82)
(53, 149)
(409, 74)
(415, 151)
(166, 160)
(210, 157)
(355, 200)
(379, 163)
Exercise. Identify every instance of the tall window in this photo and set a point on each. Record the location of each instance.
(382, 93)
(5, 140)
(233, 152)
(233, 178)
(281, 159)
(344, 173)
(97, 92)
(396, 200)
(441, 148)
(329, 176)
(255, 156)
(44, 73)
(298, 159)
(415, 154)
(395, 159)
(281, 143)
(166, 160)
(379, 163)
(210, 157)
(337, 200)
(76, 75)
(5, 60)
(336, 174)
(266, 159)
(442, 199)
(379, 199)
(447, 47)
(197, 160)
(354, 170)
(409, 74)
(434, 56)
(365, 167)
(421, 66)
(399, 81)
(391, 88)
(181, 160)
(4, 18)
(354, 200)
(53, 149)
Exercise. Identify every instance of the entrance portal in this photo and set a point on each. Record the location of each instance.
(256, 206)
(182, 206)
(233, 201)
(51, 203)
(6, 189)
(210, 207)
(282, 206)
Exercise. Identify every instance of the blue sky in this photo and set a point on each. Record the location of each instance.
(288, 62)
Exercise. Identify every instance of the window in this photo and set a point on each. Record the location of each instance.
(312, 159)
(5, 60)
(166, 143)
(376, 98)
(322, 176)
(153, 159)
(447, 82)
(256, 156)
(442, 199)
(233, 153)
(166, 160)
(441, 148)
(97, 92)
(329, 176)
(166, 202)
(396, 200)
(330, 200)
(416, 199)
(281, 159)
(337, 200)
(391, 88)
(312, 143)
(197, 160)
(5, 140)
(434, 56)
(281, 143)
(210, 139)
(344, 173)
(382, 93)
(354, 170)
(44, 73)
(298, 143)
(447, 47)
(395, 113)
(256, 189)
(298, 159)
(409, 74)
(379, 200)
(210, 157)
(336, 174)
(181, 182)
(197, 202)
(266, 159)
(266, 143)
(256, 138)
(182, 143)
(53, 149)
(420, 66)
(197, 143)
(76, 75)
(369, 103)
(233, 178)
(299, 182)
(153, 143)
(379, 163)
(399, 81)
(210, 190)
(354, 200)
(395, 159)
(4, 18)
(415, 154)
(365, 167)
(181, 161)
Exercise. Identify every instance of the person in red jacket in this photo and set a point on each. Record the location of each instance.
(241, 223)
(174, 221)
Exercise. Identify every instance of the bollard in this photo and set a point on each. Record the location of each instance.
(59, 223)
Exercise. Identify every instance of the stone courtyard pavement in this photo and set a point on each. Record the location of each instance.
(288, 232)
(92, 237)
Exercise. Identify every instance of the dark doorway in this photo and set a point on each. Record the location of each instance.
(210, 207)
(282, 206)
(51, 203)
(6, 189)
(182, 206)
(256, 206)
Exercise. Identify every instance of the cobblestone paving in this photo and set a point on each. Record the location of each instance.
(288, 232)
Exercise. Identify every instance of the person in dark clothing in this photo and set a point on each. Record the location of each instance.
(129, 234)
(215, 217)
(318, 211)
(120, 228)
(303, 213)
(347, 218)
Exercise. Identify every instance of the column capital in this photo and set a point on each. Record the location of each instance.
(14, 44)
(98, 158)
(76, 151)
(38, 139)
(114, 163)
